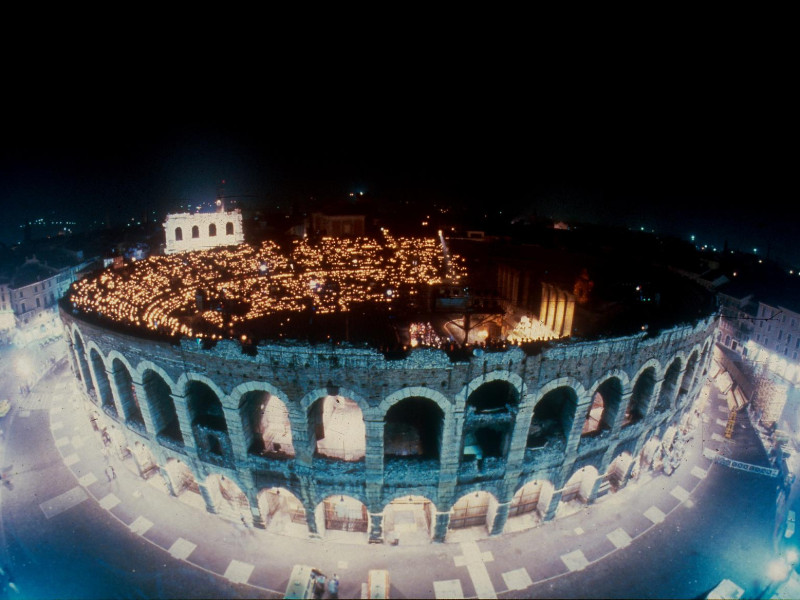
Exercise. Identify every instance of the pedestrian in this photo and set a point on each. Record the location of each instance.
(333, 587)
(319, 586)
(110, 473)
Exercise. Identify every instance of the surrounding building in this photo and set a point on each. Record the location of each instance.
(185, 232)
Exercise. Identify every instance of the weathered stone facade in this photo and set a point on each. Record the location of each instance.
(201, 231)
(485, 427)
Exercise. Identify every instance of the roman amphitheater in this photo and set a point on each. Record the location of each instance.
(261, 383)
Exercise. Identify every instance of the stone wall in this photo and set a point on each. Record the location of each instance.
(299, 374)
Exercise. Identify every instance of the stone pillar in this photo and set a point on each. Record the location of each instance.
(500, 518)
(185, 422)
(376, 528)
(236, 434)
(574, 435)
(551, 308)
(257, 517)
(619, 418)
(544, 303)
(210, 506)
(558, 326)
(441, 526)
(569, 314)
(144, 406)
(303, 448)
(167, 479)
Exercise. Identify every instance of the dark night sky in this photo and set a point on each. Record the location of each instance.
(690, 171)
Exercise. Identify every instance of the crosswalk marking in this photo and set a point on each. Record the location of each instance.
(71, 459)
(518, 579)
(699, 473)
(619, 537)
(62, 502)
(182, 548)
(575, 561)
(141, 525)
(449, 589)
(680, 493)
(654, 514)
(238, 572)
(475, 560)
(87, 479)
(109, 502)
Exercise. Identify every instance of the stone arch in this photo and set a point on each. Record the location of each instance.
(553, 417)
(530, 503)
(642, 394)
(510, 378)
(228, 228)
(340, 512)
(409, 519)
(266, 424)
(413, 426)
(606, 400)
(212, 230)
(282, 512)
(227, 497)
(195, 231)
(687, 382)
(183, 482)
(178, 234)
(580, 485)
(100, 376)
(618, 470)
(669, 385)
(129, 403)
(473, 509)
(207, 417)
(336, 425)
(83, 364)
(158, 395)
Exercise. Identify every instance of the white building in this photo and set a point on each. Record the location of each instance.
(200, 231)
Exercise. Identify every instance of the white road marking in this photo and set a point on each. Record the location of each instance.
(182, 548)
(238, 572)
(699, 473)
(141, 525)
(71, 459)
(109, 502)
(680, 493)
(87, 479)
(620, 538)
(654, 514)
(517, 579)
(448, 590)
(475, 560)
(575, 561)
(62, 502)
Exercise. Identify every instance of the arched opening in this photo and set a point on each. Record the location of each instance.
(337, 427)
(228, 499)
(489, 421)
(476, 509)
(688, 376)
(127, 394)
(603, 410)
(208, 421)
(339, 513)
(409, 520)
(195, 231)
(529, 504)
(618, 470)
(282, 512)
(103, 385)
(652, 454)
(265, 424)
(162, 407)
(212, 230)
(228, 228)
(640, 397)
(146, 463)
(668, 386)
(577, 491)
(494, 396)
(552, 418)
(413, 427)
(83, 367)
(178, 234)
(184, 485)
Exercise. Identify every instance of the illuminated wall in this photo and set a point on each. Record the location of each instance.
(199, 231)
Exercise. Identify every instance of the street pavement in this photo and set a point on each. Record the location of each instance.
(70, 532)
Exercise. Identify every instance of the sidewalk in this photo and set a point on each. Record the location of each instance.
(474, 566)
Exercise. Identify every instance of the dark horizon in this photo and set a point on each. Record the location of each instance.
(716, 190)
